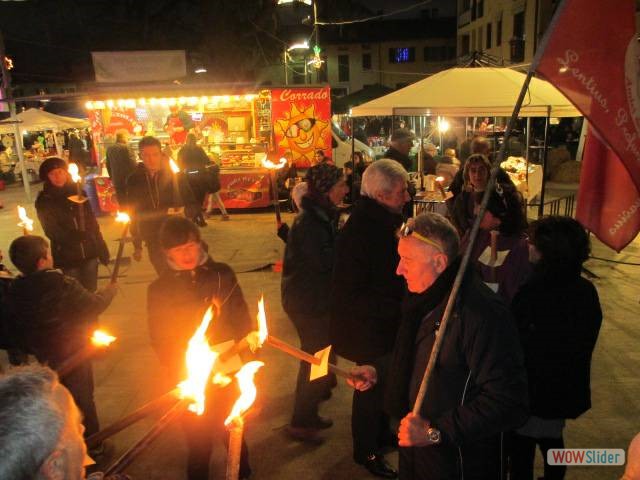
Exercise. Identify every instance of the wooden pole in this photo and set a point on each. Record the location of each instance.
(236, 431)
(544, 162)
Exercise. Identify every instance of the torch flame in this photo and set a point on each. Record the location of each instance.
(248, 391)
(221, 379)
(74, 172)
(174, 166)
(440, 179)
(25, 221)
(266, 163)
(101, 338)
(263, 332)
(122, 217)
(200, 361)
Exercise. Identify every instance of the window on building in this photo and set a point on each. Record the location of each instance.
(464, 44)
(402, 55)
(440, 53)
(480, 39)
(466, 5)
(343, 68)
(480, 8)
(489, 31)
(499, 32)
(518, 25)
(366, 61)
(473, 40)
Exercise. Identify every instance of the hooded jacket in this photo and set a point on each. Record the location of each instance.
(61, 222)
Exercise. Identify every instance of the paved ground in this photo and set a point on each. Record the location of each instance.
(130, 376)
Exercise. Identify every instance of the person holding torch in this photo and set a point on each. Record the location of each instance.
(76, 240)
(49, 315)
(176, 301)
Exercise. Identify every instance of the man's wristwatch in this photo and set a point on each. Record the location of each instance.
(433, 435)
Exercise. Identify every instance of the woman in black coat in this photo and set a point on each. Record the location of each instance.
(559, 317)
(306, 282)
(76, 241)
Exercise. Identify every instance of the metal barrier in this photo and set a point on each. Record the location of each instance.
(558, 206)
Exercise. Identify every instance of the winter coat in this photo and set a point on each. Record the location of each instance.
(192, 157)
(559, 317)
(60, 220)
(120, 163)
(308, 261)
(478, 388)
(150, 197)
(177, 301)
(366, 293)
(49, 314)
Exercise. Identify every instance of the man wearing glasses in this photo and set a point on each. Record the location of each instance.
(478, 388)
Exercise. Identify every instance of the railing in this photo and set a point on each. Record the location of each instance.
(558, 206)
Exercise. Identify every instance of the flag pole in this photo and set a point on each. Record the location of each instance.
(476, 224)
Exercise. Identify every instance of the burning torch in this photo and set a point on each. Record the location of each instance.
(121, 217)
(78, 198)
(25, 222)
(177, 198)
(99, 340)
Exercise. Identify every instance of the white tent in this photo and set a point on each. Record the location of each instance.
(36, 119)
(471, 92)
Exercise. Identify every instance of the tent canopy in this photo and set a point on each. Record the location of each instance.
(471, 92)
(36, 119)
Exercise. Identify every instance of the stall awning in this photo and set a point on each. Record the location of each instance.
(36, 119)
(468, 92)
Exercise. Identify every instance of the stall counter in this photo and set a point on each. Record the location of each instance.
(245, 188)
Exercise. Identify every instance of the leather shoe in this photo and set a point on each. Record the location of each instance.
(378, 466)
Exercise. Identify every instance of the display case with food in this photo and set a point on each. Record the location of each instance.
(527, 177)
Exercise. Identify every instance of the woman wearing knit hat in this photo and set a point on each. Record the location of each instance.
(306, 281)
(76, 251)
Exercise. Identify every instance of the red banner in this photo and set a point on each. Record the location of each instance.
(608, 200)
(592, 57)
(301, 123)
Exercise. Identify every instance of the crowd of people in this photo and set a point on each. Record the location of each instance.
(513, 366)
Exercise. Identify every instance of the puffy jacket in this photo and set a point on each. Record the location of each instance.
(61, 222)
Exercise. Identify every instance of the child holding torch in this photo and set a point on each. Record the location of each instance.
(176, 302)
(49, 315)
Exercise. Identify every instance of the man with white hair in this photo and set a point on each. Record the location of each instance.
(365, 300)
(40, 428)
(478, 388)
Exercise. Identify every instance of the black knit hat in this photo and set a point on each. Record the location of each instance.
(322, 177)
(49, 164)
(177, 231)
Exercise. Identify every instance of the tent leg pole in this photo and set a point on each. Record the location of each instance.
(544, 163)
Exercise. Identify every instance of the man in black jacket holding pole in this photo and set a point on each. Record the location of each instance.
(478, 388)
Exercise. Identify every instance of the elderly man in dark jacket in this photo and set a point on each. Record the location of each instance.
(152, 190)
(478, 388)
(120, 163)
(176, 303)
(76, 240)
(306, 283)
(50, 314)
(366, 296)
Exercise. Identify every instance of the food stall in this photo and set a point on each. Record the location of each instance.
(237, 128)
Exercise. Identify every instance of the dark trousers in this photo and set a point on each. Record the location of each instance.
(201, 432)
(369, 424)
(79, 382)
(156, 256)
(86, 273)
(314, 336)
(523, 452)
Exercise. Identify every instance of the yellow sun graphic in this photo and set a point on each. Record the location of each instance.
(302, 133)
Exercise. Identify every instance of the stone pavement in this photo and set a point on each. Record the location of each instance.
(129, 375)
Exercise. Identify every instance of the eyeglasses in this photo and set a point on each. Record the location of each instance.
(306, 124)
(405, 230)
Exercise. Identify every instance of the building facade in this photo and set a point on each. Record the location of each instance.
(508, 30)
